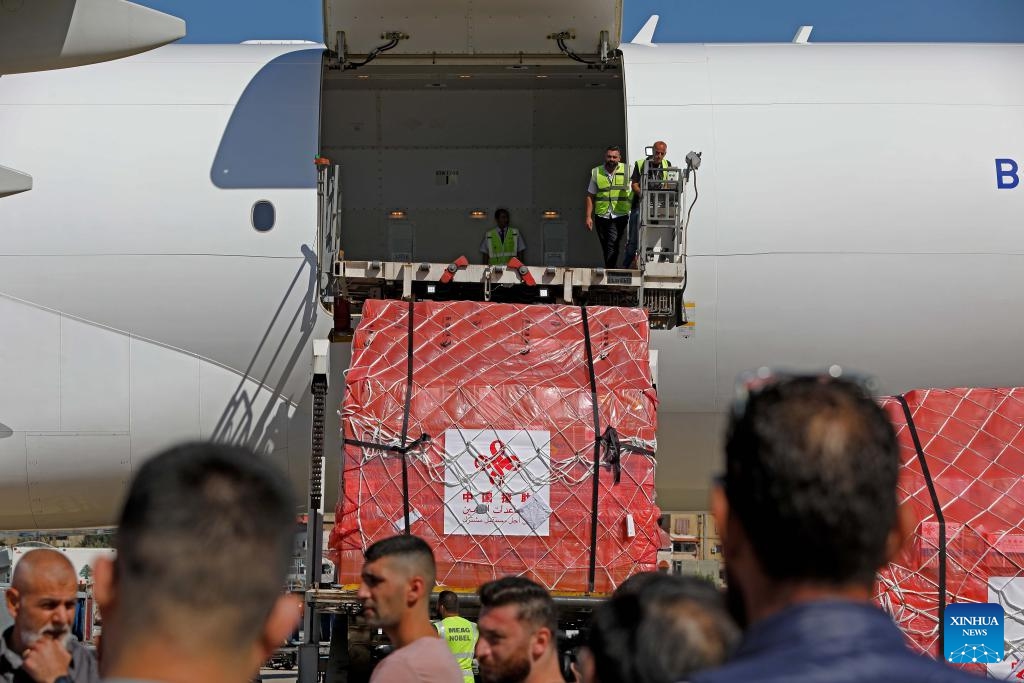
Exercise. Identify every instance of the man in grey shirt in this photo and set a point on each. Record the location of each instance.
(196, 592)
(39, 647)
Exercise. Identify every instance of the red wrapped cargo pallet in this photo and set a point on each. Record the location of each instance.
(496, 413)
(971, 459)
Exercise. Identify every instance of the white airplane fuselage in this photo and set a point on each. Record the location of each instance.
(852, 209)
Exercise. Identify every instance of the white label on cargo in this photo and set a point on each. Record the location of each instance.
(535, 512)
(399, 523)
(1008, 591)
(497, 482)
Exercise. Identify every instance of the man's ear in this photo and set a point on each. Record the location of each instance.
(901, 533)
(416, 588)
(541, 642)
(280, 624)
(719, 505)
(103, 588)
(13, 600)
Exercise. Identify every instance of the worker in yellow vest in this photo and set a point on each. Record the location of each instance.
(502, 242)
(609, 199)
(646, 166)
(459, 633)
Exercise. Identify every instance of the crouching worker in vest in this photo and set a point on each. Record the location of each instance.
(459, 633)
(501, 243)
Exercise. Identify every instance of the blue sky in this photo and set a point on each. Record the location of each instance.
(231, 21)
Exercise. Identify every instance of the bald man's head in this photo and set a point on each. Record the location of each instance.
(40, 564)
(42, 598)
(658, 151)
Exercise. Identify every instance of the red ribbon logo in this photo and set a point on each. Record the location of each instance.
(502, 462)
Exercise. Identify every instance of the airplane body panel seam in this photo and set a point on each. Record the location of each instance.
(148, 254)
(131, 335)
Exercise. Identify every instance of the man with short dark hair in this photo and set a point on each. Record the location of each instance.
(397, 580)
(458, 632)
(502, 242)
(195, 593)
(39, 646)
(657, 628)
(609, 199)
(517, 627)
(808, 512)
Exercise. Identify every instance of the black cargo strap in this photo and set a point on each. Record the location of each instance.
(592, 568)
(610, 441)
(401, 450)
(405, 419)
(937, 509)
(613, 451)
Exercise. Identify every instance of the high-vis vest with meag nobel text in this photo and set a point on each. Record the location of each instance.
(460, 635)
(617, 196)
(499, 252)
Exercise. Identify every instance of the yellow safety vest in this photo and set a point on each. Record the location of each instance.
(640, 165)
(461, 635)
(616, 197)
(498, 252)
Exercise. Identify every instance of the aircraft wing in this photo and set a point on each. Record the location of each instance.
(13, 182)
(38, 35)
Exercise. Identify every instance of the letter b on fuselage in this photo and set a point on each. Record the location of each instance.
(1007, 174)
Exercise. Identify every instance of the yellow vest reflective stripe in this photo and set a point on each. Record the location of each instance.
(460, 634)
(617, 196)
(499, 252)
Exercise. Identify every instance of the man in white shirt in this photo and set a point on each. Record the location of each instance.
(609, 200)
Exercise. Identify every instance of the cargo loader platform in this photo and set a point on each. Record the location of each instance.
(657, 289)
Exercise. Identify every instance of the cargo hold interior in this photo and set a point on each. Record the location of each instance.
(428, 152)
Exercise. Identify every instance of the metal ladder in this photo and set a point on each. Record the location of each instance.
(309, 648)
(328, 239)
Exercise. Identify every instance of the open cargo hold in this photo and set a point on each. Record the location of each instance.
(962, 473)
(501, 410)
(428, 152)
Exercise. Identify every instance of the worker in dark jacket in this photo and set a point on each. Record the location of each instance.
(39, 646)
(808, 512)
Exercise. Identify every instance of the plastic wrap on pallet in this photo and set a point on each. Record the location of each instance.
(501, 411)
(973, 446)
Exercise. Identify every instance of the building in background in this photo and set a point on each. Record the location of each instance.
(690, 545)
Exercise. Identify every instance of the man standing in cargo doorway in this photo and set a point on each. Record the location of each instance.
(657, 160)
(808, 512)
(609, 199)
(397, 579)
(517, 626)
(460, 633)
(502, 242)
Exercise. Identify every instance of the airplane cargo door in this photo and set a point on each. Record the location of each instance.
(472, 27)
(441, 113)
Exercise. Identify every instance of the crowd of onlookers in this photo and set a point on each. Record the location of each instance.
(205, 537)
